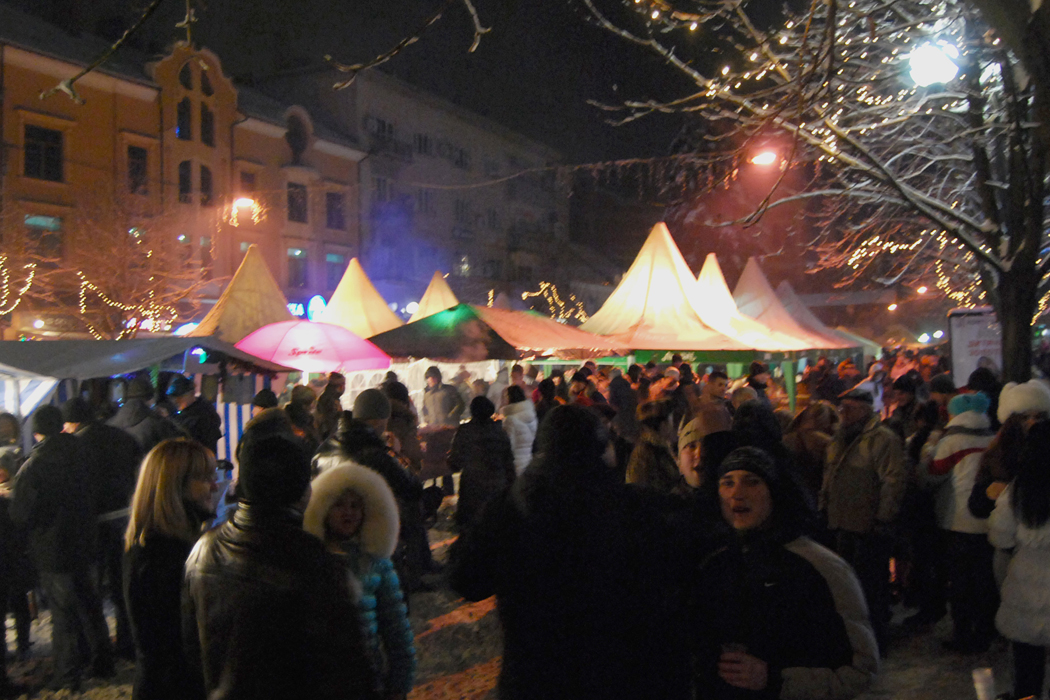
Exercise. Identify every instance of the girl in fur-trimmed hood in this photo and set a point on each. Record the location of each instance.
(353, 511)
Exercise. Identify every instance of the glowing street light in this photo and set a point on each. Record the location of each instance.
(932, 64)
(891, 307)
(924, 338)
(244, 202)
(764, 158)
(922, 290)
(938, 334)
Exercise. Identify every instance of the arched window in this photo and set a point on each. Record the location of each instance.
(206, 83)
(298, 138)
(185, 182)
(207, 194)
(207, 126)
(184, 121)
(186, 76)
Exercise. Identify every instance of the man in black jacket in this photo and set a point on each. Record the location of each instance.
(195, 415)
(112, 459)
(51, 503)
(141, 422)
(267, 611)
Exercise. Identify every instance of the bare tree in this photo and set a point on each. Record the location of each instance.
(904, 181)
(112, 264)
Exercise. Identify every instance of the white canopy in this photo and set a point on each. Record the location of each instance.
(754, 297)
(438, 297)
(655, 305)
(805, 318)
(357, 306)
(250, 301)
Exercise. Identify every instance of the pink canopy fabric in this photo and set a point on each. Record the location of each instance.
(311, 346)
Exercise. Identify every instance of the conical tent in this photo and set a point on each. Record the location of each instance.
(438, 297)
(250, 301)
(357, 306)
(655, 305)
(805, 318)
(755, 298)
(718, 310)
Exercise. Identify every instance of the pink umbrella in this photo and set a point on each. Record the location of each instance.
(313, 347)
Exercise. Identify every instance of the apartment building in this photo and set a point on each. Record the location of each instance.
(170, 141)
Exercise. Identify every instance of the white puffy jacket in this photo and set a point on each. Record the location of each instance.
(519, 420)
(1024, 615)
(954, 469)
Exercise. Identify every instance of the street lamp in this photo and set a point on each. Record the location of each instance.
(891, 307)
(931, 64)
(764, 158)
(922, 290)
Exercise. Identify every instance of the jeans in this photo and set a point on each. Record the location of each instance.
(869, 555)
(76, 612)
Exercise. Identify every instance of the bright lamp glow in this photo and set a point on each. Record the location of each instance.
(244, 202)
(764, 158)
(938, 334)
(38, 324)
(185, 328)
(892, 307)
(922, 289)
(931, 64)
(411, 307)
(924, 338)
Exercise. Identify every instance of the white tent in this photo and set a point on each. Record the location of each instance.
(805, 318)
(438, 297)
(754, 297)
(357, 306)
(250, 301)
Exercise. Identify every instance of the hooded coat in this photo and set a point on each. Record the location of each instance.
(148, 428)
(1024, 614)
(380, 601)
(954, 470)
(519, 420)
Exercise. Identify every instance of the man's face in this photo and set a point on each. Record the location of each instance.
(762, 377)
(433, 381)
(716, 388)
(854, 412)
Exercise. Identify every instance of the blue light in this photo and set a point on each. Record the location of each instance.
(315, 307)
(296, 310)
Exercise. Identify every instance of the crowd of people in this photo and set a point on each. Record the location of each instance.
(648, 532)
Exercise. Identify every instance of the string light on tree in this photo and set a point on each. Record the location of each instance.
(557, 308)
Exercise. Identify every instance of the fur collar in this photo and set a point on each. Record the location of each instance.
(379, 530)
(970, 421)
(522, 410)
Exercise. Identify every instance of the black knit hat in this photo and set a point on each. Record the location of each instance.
(47, 421)
(750, 459)
(265, 399)
(274, 472)
(77, 410)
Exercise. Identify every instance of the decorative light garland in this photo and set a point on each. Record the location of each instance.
(558, 309)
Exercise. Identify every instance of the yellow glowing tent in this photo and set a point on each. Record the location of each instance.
(250, 301)
(655, 305)
(438, 297)
(357, 306)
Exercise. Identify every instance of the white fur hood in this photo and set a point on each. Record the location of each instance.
(379, 530)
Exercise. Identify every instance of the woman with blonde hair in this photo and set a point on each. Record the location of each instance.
(173, 499)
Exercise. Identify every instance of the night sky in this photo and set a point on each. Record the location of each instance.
(534, 72)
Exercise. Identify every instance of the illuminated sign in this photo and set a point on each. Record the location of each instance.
(297, 310)
(315, 307)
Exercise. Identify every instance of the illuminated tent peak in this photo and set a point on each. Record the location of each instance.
(806, 318)
(754, 297)
(654, 306)
(438, 297)
(357, 306)
(250, 301)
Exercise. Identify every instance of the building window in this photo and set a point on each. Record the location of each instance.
(334, 211)
(425, 201)
(424, 145)
(206, 83)
(183, 121)
(297, 202)
(138, 170)
(461, 158)
(297, 268)
(335, 266)
(207, 126)
(247, 182)
(186, 182)
(382, 129)
(44, 234)
(462, 211)
(43, 153)
(207, 191)
(186, 76)
(380, 189)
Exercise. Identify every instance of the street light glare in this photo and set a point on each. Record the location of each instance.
(892, 307)
(765, 158)
(244, 202)
(924, 338)
(931, 64)
(938, 334)
(922, 289)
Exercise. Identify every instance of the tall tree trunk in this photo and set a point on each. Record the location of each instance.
(1017, 306)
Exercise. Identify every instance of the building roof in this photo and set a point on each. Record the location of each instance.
(357, 306)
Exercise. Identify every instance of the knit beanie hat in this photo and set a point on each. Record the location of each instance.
(942, 384)
(371, 404)
(77, 410)
(750, 459)
(978, 402)
(265, 399)
(47, 421)
(1033, 395)
(274, 472)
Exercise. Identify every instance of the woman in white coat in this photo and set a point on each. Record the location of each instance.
(1021, 522)
(519, 420)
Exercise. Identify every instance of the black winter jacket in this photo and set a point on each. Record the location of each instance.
(267, 613)
(201, 422)
(112, 458)
(481, 452)
(53, 505)
(148, 428)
